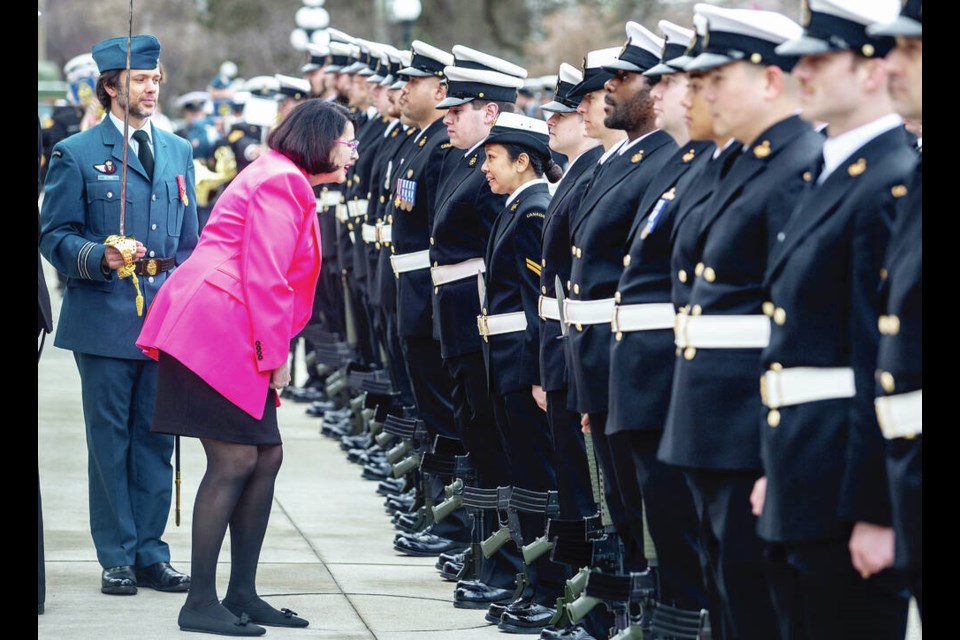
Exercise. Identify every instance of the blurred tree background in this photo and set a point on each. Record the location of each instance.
(197, 35)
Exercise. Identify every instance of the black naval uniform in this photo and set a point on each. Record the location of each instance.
(389, 153)
(414, 195)
(711, 427)
(370, 139)
(683, 259)
(513, 363)
(329, 298)
(569, 452)
(900, 372)
(641, 366)
(596, 234)
(384, 281)
(464, 215)
(824, 459)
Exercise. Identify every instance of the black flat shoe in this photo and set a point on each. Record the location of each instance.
(473, 594)
(262, 613)
(162, 577)
(217, 620)
(118, 581)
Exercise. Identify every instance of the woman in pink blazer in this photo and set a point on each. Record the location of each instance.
(221, 328)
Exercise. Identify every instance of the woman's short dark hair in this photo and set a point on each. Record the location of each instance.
(540, 163)
(107, 79)
(306, 135)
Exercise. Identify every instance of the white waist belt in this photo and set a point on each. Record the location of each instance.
(404, 262)
(643, 317)
(460, 271)
(588, 311)
(342, 214)
(386, 233)
(548, 308)
(329, 198)
(799, 385)
(357, 208)
(369, 233)
(900, 416)
(501, 323)
(722, 332)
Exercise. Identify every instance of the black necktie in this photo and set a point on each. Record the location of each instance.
(143, 151)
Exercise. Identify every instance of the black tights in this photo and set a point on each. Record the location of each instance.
(236, 490)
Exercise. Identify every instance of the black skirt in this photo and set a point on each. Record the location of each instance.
(187, 406)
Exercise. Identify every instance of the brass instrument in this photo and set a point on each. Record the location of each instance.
(207, 181)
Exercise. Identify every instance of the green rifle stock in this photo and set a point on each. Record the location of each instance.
(633, 632)
(383, 439)
(536, 549)
(495, 541)
(579, 608)
(406, 465)
(400, 451)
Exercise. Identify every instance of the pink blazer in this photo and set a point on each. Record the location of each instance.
(229, 311)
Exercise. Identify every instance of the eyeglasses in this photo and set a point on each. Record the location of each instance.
(353, 144)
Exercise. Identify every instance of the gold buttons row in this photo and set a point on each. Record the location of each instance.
(889, 325)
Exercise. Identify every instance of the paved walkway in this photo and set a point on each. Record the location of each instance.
(327, 554)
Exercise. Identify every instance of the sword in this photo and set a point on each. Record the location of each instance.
(594, 471)
(558, 289)
(126, 245)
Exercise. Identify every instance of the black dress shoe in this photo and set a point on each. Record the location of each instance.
(162, 577)
(569, 633)
(496, 611)
(451, 571)
(262, 613)
(218, 620)
(425, 545)
(530, 619)
(391, 486)
(473, 594)
(118, 581)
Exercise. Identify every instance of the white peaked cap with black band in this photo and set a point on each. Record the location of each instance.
(290, 87)
(568, 77)
(426, 61)
(594, 70)
(733, 35)
(841, 25)
(676, 40)
(465, 85)
(640, 52)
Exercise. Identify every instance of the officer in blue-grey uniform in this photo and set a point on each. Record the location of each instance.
(642, 351)
(597, 232)
(828, 528)
(130, 475)
(899, 401)
(711, 427)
